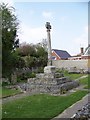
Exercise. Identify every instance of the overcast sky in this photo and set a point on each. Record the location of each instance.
(69, 21)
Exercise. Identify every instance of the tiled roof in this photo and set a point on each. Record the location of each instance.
(62, 54)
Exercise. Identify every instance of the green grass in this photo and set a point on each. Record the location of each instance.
(40, 106)
(5, 92)
(86, 87)
(85, 81)
(72, 76)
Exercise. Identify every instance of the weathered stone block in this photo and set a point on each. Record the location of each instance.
(58, 75)
(50, 69)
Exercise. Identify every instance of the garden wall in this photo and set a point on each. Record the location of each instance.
(70, 63)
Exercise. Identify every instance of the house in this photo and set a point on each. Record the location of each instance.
(60, 55)
(82, 55)
(78, 56)
(86, 54)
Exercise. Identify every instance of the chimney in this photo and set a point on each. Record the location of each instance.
(82, 50)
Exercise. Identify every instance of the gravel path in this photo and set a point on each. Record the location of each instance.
(18, 96)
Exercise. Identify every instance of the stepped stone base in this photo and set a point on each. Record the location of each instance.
(51, 83)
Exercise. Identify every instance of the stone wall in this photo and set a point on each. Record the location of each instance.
(80, 64)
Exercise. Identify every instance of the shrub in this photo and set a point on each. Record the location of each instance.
(30, 75)
(5, 83)
(40, 70)
(25, 76)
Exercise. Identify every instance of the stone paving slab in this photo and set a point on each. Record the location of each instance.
(69, 112)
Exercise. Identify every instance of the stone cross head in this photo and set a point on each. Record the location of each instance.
(48, 26)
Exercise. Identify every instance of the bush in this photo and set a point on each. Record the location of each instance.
(62, 71)
(30, 75)
(25, 76)
(40, 70)
(5, 83)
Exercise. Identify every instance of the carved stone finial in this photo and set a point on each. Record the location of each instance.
(48, 26)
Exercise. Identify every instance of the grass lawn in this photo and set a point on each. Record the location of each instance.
(86, 81)
(5, 92)
(40, 106)
(72, 76)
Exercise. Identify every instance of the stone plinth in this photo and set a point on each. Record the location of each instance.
(50, 69)
(45, 75)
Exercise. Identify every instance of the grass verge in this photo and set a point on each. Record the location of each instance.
(73, 76)
(5, 92)
(86, 82)
(40, 106)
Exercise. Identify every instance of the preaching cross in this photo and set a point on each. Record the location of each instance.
(49, 69)
(48, 27)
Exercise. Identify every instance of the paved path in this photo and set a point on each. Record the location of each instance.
(18, 96)
(69, 112)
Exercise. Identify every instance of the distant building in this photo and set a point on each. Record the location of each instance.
(82, 55)
(78, 56)
(60, 55)
(86, 54)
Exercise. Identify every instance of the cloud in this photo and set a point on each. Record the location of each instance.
(31, 35)
(47, 14)
(82, 40)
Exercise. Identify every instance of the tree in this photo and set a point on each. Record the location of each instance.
(31, 62)
(18, 62)
(41, 55)
(34, 55)
(26, 50)
(9, 38)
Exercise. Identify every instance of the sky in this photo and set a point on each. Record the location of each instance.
(69, 21)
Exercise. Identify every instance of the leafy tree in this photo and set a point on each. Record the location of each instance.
(9, 37)
(26, 50)
(18, 62)
(34, 55)
(31, 61)
(42, 56)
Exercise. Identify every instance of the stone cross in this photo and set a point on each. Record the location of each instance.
(48, 27)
